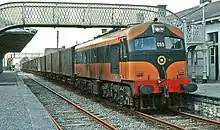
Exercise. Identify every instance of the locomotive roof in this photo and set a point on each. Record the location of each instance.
(113, 38)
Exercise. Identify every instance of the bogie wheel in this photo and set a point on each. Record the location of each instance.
(136, 105)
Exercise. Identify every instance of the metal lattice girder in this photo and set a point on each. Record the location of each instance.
(194, 34)
(81, 14)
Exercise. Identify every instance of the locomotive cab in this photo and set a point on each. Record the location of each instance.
(160, 56)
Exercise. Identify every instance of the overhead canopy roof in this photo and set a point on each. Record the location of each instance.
(15, 40)
(212, 11)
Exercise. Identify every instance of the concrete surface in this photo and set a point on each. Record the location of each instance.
(20, 109)
(209, 89)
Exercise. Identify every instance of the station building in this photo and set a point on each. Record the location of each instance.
(212, 38)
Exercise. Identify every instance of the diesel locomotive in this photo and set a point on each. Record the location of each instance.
(142, 66)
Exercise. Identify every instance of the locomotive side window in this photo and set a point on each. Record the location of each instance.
(145, 43)
(84, 57)
(123, 49)
(88, 56)
(79, 58)
(106, 54)
(173, 43)
(94, 55)
(100, 55)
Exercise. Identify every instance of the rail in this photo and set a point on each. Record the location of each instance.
(106, 124)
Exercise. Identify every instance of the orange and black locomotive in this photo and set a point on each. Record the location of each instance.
(143, 66)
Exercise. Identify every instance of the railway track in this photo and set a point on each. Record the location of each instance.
(66, 114)
(119, 119)
(182, 121)
(171, 120)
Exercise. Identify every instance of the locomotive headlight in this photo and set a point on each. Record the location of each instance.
(158, 28)
(161, 60)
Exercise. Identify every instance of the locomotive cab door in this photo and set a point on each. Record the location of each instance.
(123, 57)
(118, 55)
(114, 58)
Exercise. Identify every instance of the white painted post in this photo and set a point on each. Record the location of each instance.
(193, 66)
(204, 78)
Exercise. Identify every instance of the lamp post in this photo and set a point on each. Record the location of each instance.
(57, 40)
(204, 78)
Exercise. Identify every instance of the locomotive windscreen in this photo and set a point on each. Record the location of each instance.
(158, 37)
(173, 43)
(145, 43)
(152, 44)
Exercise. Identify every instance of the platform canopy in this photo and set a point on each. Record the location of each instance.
(15, 40)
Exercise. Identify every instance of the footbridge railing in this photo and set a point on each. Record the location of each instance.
(59, 14)
(86, 15)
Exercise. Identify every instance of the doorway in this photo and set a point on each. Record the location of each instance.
(214, 63)
(114, 59)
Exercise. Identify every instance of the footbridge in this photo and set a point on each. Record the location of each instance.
(85, 15)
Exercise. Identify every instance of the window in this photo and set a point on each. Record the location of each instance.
(173, 43)
(106, 54)
(125, 48)
(88, 56)
(100, 55)
(78, 58)
(94, 55)
(212, 37)
(212, 55)
(84, 57)
(145, 43)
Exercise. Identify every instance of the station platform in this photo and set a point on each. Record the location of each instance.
(210, 89)
(19, 108)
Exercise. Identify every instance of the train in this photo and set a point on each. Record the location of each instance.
(143, 66)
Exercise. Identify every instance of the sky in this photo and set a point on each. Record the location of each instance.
(46, 37)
